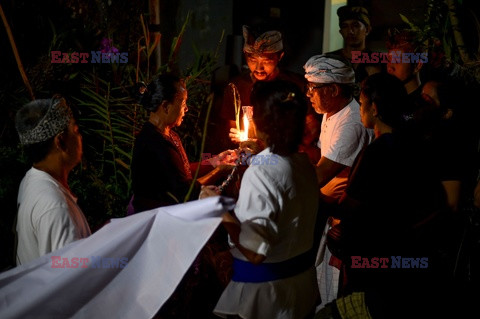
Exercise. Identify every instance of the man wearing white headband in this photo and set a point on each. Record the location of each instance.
(331, 86)
(48, 214)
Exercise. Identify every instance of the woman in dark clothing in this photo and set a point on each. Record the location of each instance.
(161, 176)
(395, 225)
(161, 173)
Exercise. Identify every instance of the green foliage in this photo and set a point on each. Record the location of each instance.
(436, 30)
(110, 119)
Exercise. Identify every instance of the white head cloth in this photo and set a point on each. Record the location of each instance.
(326, 69)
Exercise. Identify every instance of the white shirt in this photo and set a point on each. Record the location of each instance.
(48, 216)
(341, 139)
(277, 208)
(343, 135)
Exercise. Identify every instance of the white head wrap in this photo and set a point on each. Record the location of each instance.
(268, 42)
(326, 69)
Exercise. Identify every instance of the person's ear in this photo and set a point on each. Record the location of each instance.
(418, 67)
(374, 109)
(281, 56)
(369, 29)
(60, 141)
(335, 89)
(164, 106)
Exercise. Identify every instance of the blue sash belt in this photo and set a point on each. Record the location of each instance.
(244, 271)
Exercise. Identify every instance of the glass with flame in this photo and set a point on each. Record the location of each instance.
(247, 118)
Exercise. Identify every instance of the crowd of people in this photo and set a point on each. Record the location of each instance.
(357, 213)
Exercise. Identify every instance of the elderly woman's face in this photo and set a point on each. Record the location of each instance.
(178, 107)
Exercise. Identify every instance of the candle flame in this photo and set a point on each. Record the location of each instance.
(244, 134)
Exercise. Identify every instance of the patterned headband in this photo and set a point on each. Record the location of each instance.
(55, 121)
(268, 42)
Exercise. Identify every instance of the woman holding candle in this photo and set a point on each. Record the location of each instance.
(161, 173)
(272, 230)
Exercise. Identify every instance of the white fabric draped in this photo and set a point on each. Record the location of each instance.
(160, 246)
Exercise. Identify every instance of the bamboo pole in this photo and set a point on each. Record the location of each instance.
(15, 53)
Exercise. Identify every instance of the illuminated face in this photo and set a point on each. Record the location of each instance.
(320, 96)
(353, 32)
(402, 71)
(179, 107)
(263, 66)
(366, 112)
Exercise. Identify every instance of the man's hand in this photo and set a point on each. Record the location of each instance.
(253, 145)
(208, 191)
(235, 135)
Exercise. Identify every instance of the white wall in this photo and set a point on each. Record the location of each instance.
(332, 40)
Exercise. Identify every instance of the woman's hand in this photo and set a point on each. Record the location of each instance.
(226, 158)
(208, 191)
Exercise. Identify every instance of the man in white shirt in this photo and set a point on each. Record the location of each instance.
(48, 214)
(331, 87)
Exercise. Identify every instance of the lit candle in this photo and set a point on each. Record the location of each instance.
(244, 134)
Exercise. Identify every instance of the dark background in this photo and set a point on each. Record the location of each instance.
(79, 26)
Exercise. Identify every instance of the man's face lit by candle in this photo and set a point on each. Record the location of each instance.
(263, 66)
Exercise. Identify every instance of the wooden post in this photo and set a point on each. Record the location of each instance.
(15, 53)
(155, 20)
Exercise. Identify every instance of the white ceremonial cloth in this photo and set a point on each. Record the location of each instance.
(160, 246)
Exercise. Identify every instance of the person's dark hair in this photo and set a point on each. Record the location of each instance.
(348, 90)
(38, 151)
(27, 118)
(279, 111)
(406, 39)
(162, 88)
(390, 96)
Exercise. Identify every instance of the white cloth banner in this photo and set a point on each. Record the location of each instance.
(155, 248)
